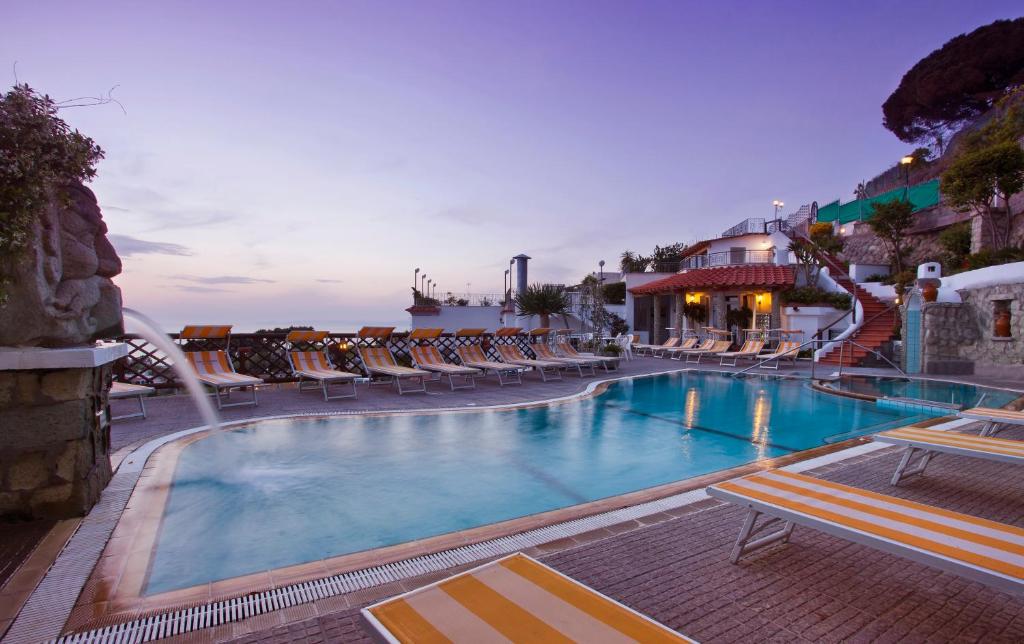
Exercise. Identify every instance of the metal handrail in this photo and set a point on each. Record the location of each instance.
(842, 347)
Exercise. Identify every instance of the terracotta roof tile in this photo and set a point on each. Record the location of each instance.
(722, 277)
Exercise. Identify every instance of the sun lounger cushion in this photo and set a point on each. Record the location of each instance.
(213, 368)
(513, 355)
(313, 364)
(513, 599)
(473, 356)
(994, 415)
(998, 449)
(430, 359)
(380, 360)
(749, 348)
(127, 390)
(985, 550)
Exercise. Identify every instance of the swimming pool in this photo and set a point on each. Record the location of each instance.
(939, 391)
(282, 492)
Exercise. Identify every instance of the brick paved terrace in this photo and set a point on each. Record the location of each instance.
(673, 566)
(816, 588)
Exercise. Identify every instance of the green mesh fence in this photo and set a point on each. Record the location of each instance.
(923, 195)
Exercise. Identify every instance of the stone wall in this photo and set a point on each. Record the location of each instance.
(54, 442)
(953, 334)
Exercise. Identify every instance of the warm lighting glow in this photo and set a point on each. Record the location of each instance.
(777, 203)
(692, 407)
(907, 160)
(842, 230)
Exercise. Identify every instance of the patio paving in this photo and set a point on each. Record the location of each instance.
(817, 588)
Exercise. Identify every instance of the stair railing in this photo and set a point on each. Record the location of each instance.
(815, 342)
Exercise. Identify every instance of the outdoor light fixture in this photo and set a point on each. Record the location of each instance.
(777, 204)
(907, 160)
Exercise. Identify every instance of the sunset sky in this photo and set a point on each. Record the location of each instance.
(294, 162)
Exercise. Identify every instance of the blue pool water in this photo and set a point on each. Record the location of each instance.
(933, 390)
(284, 492)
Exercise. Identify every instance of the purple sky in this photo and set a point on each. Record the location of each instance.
(293, 162)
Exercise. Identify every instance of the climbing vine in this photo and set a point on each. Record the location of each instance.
(39, 155)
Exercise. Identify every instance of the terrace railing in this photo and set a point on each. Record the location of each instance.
(728, 258)
(264, 355)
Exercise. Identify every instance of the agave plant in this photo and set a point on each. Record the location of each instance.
(543, 300)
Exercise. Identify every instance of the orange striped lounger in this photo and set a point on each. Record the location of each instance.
(936, 441)
(750, 349)
(514, 599)
(378, 361)
(428, 358)
(544, 352)
(317, 367)
(213, 368)
(993, 418)
(513, 355)
(472, 355)
(788, 349)
(979, 549)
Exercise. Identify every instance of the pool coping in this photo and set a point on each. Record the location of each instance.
(48, 612)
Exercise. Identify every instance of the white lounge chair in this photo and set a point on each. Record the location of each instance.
(544, 352)
(472, 355)
(935, 441)
(570, 351)
(993, 418)
(987, 551)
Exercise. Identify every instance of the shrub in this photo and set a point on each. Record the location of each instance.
(994, 258)
(614, 293)
(809, 296)
(616, 324)
(956, 244)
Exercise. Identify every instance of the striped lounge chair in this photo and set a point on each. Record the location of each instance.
(787, 349)
(513, 599)
(378, 361)
(472, 355)
(709, 347)
(214, 369)
(993, 418)
(750, 349)
(653, 349)
(122, 390)
(936, 441)
(315, 365)
(570, 351)
(428, 358)
(544, 352)
(979, 549)
(675, 353)
(512, 354)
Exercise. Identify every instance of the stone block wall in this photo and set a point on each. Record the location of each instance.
(954, 335)
(54, 441)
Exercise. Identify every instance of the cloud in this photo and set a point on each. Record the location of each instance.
(163, 212)
(200, 289)
(327, 281)
(221, 279)
(128, 246)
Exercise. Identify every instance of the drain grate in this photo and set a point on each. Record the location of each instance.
(195, 618)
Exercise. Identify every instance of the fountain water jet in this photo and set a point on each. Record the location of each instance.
(151, 332)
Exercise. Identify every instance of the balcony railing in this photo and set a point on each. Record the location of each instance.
(728, 258)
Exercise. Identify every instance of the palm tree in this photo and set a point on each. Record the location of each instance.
(631, 262)
(543, 300)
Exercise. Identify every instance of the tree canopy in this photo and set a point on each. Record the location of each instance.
(956, 82)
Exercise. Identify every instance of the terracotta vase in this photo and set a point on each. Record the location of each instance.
(1002, 326)
(929, 292)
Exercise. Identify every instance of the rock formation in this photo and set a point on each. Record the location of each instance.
(61, 293)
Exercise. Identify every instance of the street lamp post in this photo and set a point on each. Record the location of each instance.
(777, 204)
(429, 282)
(906, 162)
(506, 282)
(415, 279)
(423, 281)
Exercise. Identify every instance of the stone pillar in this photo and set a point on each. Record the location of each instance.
(678, 323)
(656, 319)
(776, 322)
(717, 310)
(54, 435)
